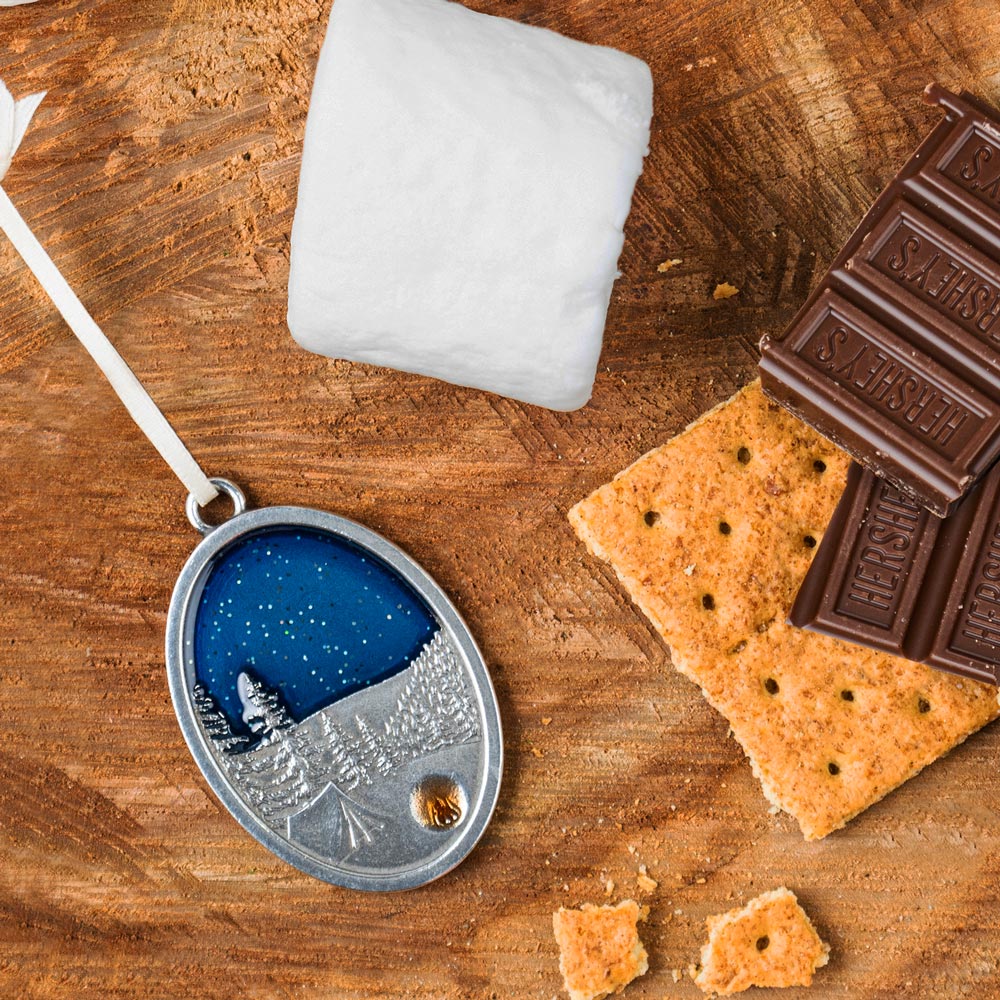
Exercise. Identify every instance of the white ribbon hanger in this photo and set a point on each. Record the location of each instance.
(14, 119)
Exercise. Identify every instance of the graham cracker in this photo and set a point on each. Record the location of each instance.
(711, 535)
(599, 948)
(769, 942)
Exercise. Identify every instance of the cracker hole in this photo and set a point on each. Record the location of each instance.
(923, 706)
(651, 517)
(708, 602)
(771, 686)
(833, 768)
(764, 626)
(724, 528)
(738, 648)
(820, 466)
(762, 942)
(809, 542)
(743, 456)
(847, 695)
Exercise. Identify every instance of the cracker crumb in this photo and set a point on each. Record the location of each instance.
(546, 720)
(599, 948)
(647, 884)
(689, 570)
(676, 975)
(668, 264)
(769, 942)
(609, 887)
(536, 752)
(724, 290)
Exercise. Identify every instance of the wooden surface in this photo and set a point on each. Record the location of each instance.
(161, 174)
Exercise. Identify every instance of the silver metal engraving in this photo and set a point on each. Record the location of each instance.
(386, 788)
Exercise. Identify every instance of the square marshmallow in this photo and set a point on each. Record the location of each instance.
(465, 182)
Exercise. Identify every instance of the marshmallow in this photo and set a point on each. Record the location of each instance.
(465, 183)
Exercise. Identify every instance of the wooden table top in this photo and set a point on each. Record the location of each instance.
(161, 174)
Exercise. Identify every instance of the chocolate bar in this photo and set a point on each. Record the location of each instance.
(896, 355)
(891, 575)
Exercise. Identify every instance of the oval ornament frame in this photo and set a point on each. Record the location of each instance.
(378, 831)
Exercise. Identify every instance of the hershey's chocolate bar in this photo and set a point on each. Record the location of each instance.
(891, 575)
(896, 355)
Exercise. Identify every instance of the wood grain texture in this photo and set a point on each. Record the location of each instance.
(161, 174)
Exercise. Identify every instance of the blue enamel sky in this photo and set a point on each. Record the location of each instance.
(312, 614)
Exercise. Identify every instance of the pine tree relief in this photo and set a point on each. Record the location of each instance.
(337, 757)
(434, 710)
(277, 774)
(263, 710)
(372, 747)
(216, 724)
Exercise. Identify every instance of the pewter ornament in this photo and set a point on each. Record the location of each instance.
(333, 697)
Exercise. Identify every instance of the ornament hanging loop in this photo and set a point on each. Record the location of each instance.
(231, 490)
